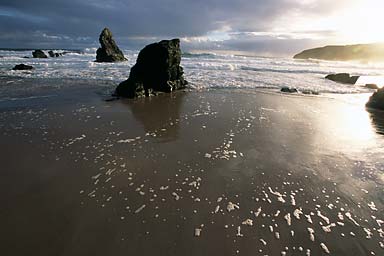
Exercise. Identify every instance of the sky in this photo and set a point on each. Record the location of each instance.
(261, 27)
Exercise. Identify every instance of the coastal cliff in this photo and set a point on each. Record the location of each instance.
(366, 52)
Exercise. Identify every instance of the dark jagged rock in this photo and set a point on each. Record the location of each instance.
(157, 69)
(109, 51)
(289, 90)
(371, 86)
(344, 78)
(22, 67)
(376, 101)
(39, 54)
(53, 54)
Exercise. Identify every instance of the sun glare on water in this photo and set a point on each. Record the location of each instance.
(349, 22)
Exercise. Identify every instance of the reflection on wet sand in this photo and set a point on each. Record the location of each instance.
(377, 119)
(159, 115)
(239, 174)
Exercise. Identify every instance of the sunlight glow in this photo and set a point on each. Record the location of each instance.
(359, 22)
(351, 125)
(362, 22)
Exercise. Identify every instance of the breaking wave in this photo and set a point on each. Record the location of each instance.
(202, 70)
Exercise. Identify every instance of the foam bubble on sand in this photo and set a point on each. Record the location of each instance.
(164, 187)
(92, 193)
(326, 219)
(368, 233)
(349, 216)
(110, 171)
(297, 213)
(177, 197)
(198, 232)
(309, 219)
(71, 141)
(340, 216)
(277, 235)
(248, 222)
(126, 141)
(308, 252)
(311, 234)
(263, 242)
(325, 248)
(279, 195)
(193, 184)
(277, 213)
(217, 208)
(287, 217)
(257, 213)
(372, 206)
(327, 229)
(219, 199)
(381, 232)
(239, 231)
(381, 244)
(96, 176)
(231, 206)
(380, 222)
(140, 208)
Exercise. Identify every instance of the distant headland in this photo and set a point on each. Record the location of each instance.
(362, 52)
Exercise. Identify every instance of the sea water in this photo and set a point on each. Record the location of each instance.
(204, 70)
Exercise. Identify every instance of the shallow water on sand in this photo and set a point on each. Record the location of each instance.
(191, 173)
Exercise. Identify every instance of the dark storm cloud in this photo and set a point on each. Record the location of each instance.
(73, 20)
(144, 17)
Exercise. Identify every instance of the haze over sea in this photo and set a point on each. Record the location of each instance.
(203, 70)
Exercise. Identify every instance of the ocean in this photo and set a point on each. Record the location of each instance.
(203, 71)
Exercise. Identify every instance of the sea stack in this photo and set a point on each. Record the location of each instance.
(157, 69)
(109, 51)
(376, 101)
(53, 54)
(39, 54)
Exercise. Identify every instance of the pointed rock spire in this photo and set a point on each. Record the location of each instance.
(109, 51)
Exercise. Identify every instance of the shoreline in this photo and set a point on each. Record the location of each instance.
(109, 85)
(84, 176)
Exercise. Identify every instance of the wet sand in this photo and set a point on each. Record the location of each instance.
(85, 176)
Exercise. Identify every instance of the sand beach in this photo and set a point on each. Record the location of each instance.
(195, 172)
